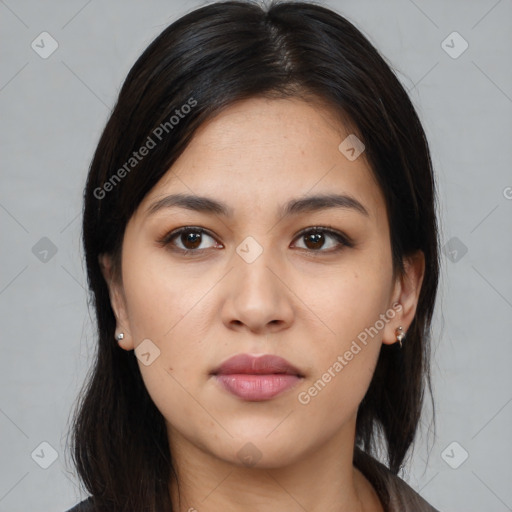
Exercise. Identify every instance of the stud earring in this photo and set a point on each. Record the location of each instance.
(119, 336)
(400, 335)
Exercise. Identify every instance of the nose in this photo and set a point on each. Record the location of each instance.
(257, 298)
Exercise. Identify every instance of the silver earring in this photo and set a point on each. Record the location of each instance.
(400, 335)
(119, 336)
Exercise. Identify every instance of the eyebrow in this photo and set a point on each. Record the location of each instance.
(306, 204)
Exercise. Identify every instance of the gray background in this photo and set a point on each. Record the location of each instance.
(52, 114)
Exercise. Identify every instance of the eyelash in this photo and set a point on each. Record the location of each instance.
(344, 240)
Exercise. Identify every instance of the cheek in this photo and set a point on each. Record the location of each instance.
(345, 357)
(350, 303)
(331, 400)
(161, 297)
(164, 306)
(351, 310)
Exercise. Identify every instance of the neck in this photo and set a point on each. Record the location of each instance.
(322, 480)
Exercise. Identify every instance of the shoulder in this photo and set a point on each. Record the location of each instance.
(84, 506)
(396, 495)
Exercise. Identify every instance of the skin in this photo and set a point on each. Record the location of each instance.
(305, 306)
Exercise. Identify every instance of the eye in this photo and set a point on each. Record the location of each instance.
(315, 239)
(190, 237)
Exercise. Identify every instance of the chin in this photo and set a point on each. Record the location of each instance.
(261, 452)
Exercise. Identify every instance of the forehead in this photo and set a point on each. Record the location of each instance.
(261, 152)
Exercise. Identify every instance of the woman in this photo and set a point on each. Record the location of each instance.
(262, 250)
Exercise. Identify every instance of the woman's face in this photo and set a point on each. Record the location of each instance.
(251, 283)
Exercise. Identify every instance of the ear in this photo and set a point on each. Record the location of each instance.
(406, 293)
(117, 301)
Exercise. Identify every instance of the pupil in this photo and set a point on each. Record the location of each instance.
(194, 239)
(318, 242)
(191, 237)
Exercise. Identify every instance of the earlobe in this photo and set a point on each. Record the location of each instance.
(406, 293)
(117, 302)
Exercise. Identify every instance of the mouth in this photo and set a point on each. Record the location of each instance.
(257, 378)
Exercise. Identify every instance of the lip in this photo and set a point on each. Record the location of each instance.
(256, 365)
(257, 378)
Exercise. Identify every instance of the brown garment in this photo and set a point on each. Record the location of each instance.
(394, 494)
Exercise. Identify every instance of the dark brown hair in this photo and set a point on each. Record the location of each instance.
(210, 58)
